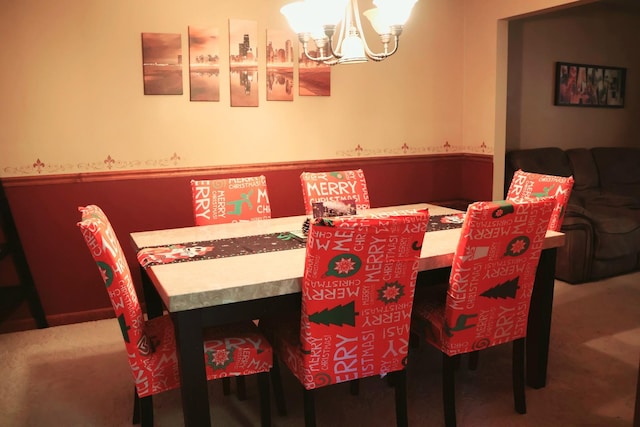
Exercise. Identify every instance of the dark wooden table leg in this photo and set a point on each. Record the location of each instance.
(152, 299)
(539, 327)
(195, 397)
(636, 415)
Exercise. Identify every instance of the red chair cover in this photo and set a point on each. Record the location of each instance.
(528, 185)
(231, 350)
(487, 300)
(357, 296)
(221, 201)
(334, 186)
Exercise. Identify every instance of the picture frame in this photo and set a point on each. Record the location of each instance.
(584, 85)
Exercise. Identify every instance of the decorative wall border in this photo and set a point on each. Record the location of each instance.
(39, 167)
(254, 168)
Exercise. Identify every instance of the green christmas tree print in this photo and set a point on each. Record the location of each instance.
(124, 328)
(339, 315)
(508, 289)
(391, 292)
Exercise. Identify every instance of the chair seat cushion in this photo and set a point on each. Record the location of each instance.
(229, 350)
(236, 349)
(284, 334)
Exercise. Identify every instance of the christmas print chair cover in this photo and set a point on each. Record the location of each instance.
(534, 185)
(357, 296)
(347, 185)
(237, 349)
(486, 302)
(221, 201)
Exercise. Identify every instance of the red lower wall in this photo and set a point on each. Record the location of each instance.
(45, 211)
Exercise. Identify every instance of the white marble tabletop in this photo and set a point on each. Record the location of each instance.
(204, 283)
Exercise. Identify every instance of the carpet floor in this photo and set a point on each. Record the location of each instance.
(78, 375)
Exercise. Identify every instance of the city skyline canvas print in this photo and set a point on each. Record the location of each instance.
(280, 57)
(243, 63)
(204, 64)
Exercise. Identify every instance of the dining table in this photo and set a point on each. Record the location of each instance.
(250, 270)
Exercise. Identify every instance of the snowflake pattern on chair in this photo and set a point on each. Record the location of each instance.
(486, 301)
(233, 349)
(357, 296)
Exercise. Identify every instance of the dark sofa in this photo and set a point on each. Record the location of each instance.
(602, 221)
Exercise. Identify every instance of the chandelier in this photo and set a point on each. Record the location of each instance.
(318, 20)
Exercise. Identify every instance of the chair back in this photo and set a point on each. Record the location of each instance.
(221, 201)
(492, 274)
(357, 296)
(106, 251)
(334, 186)
(528, 185)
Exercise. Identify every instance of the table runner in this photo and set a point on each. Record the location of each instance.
(247, 245)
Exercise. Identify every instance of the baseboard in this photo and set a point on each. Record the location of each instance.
(25, 324)
(458, 204)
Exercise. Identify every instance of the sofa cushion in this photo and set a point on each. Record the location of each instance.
(548, 161)
(617, 230)
(619, 169)
(585, 171)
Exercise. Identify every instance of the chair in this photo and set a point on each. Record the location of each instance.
(486, 301)
(357, 295)
(221, 201)
(528, 184)
(226, 200)
(334, 186)
(151, 345)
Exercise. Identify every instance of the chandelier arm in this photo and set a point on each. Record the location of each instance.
(304, 40)
(320, 58)
(370, 53)
(380, 56)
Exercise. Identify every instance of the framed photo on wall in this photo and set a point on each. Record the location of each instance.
(583, 85)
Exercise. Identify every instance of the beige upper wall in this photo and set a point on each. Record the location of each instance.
(485, 78)
(73, 93)
(597, 34)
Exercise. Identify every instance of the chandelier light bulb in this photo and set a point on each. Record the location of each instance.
(326, 20)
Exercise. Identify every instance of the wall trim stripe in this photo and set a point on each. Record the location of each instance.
(245, 169)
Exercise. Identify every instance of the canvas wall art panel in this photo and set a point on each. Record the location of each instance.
(243, 63)
(314, 78)
(162, 63)
(280, 57)
(204, 64)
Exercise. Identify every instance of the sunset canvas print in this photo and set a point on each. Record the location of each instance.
(162, 63)
(204, 64)
(314, 77)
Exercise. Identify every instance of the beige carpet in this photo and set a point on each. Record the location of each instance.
(78, 375)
